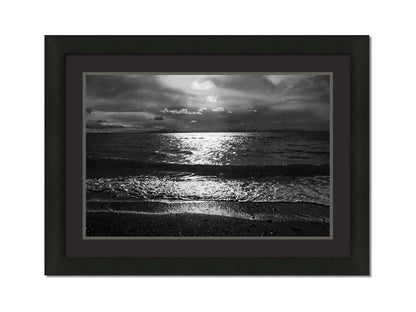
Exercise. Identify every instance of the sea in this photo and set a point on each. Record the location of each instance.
(278, 166)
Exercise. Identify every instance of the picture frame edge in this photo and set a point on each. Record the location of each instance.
(56, 47)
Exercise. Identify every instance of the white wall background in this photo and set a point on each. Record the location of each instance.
(391, 25)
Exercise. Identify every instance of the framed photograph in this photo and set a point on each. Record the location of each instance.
(225, 155)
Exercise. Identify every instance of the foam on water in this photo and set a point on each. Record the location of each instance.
(191, 187)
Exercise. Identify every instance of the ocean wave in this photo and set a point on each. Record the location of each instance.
(112, 167)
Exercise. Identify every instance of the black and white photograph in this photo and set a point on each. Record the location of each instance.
(227, 155)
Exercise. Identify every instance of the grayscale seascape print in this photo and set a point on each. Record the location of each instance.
(207, 155)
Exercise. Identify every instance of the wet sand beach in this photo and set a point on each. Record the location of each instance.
(208, 218)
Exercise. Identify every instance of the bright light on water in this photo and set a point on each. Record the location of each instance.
(169, 166)
(213, 148)
(195, 187)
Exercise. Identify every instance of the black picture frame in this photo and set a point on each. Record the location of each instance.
(56, 50)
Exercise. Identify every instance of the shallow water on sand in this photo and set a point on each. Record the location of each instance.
(193, 187)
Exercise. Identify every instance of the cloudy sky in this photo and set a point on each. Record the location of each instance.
(206, 102)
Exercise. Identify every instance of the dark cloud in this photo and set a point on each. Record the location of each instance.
(207, 102)
(128, 93)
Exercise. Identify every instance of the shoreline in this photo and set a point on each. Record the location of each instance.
(206, 219)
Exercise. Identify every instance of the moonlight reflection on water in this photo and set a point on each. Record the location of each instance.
(216, 152)
(213, 148)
